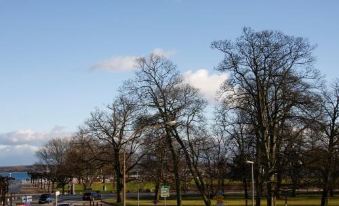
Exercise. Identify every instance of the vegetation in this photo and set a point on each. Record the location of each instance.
(4, 184)
(275, 110)
(303, 201)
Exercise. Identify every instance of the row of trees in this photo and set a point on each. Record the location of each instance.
(274, 110)
(4, 188)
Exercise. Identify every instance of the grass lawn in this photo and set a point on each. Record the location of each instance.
(98, 186)
(299, 201)
(308, 199)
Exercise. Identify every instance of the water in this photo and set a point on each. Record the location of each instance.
(16, 175)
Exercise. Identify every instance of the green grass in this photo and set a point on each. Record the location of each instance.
(309, 199)
(98, 186)
(299, 201)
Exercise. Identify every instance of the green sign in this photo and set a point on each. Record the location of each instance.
(164, 191)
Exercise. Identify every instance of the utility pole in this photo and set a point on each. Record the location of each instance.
(252, 163)
(124, 178)
(138, 187)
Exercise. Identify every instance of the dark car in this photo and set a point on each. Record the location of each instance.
(91, 196)
(45, 198)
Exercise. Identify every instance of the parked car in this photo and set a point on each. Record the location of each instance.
(91, 196)
(45, 198)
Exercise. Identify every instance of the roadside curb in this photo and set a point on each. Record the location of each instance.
(107, 203)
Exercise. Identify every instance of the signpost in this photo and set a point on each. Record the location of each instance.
(26, 200)
(165, 192)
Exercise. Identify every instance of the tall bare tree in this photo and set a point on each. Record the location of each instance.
(328, 132)
(115, 127)
(271, 80)
(155, 150)
(161, 90)
(236, 135)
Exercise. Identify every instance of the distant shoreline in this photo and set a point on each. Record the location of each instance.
(16, 175)
(18, 168)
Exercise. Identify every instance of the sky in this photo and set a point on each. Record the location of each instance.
(59, 60)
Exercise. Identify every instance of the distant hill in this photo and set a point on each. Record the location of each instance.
(18, 168)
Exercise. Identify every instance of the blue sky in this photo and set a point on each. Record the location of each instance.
(50, 52)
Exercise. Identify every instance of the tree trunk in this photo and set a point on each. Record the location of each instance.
(294, 189)
(156, 191)
(63, 189)
(324, 197)
(175, 168)
(197, 177)
(328, 173)
(245, 190)
(257, 176)
(52, 186)
(331, 190)
(118, 182)
(48, 186)
(278, 185)
(326, 186)
(269, 193)
(223, 185)
(119, 188)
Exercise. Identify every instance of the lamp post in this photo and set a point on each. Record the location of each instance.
(125, 178)
(73, 186)
(138, 188)
(252, 163)
(57, 193)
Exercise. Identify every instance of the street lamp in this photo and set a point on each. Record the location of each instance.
(171, 123)
(138, 187)
(252, 163)
(125, 178)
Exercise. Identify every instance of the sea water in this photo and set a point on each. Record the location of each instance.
(16, 175)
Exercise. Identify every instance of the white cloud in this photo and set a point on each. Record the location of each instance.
(208, 84)
(119, 63)
(19, 147)
(17, 154)
(162, 52)
(126, 63)
(30, 137)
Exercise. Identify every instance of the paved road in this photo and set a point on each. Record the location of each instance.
(28, 189)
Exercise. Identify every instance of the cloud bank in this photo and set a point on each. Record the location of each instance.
(207, 83)
(17, 155)
(126, 63)
(19, 147)
(119, 63)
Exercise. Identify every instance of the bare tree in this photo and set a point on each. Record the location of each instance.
(155, 150)
(271, 76)
(236, 135)
(53, 156)
(328, 144)
(4, 183)
(115, 127)
(161, 90)
(84, 158)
